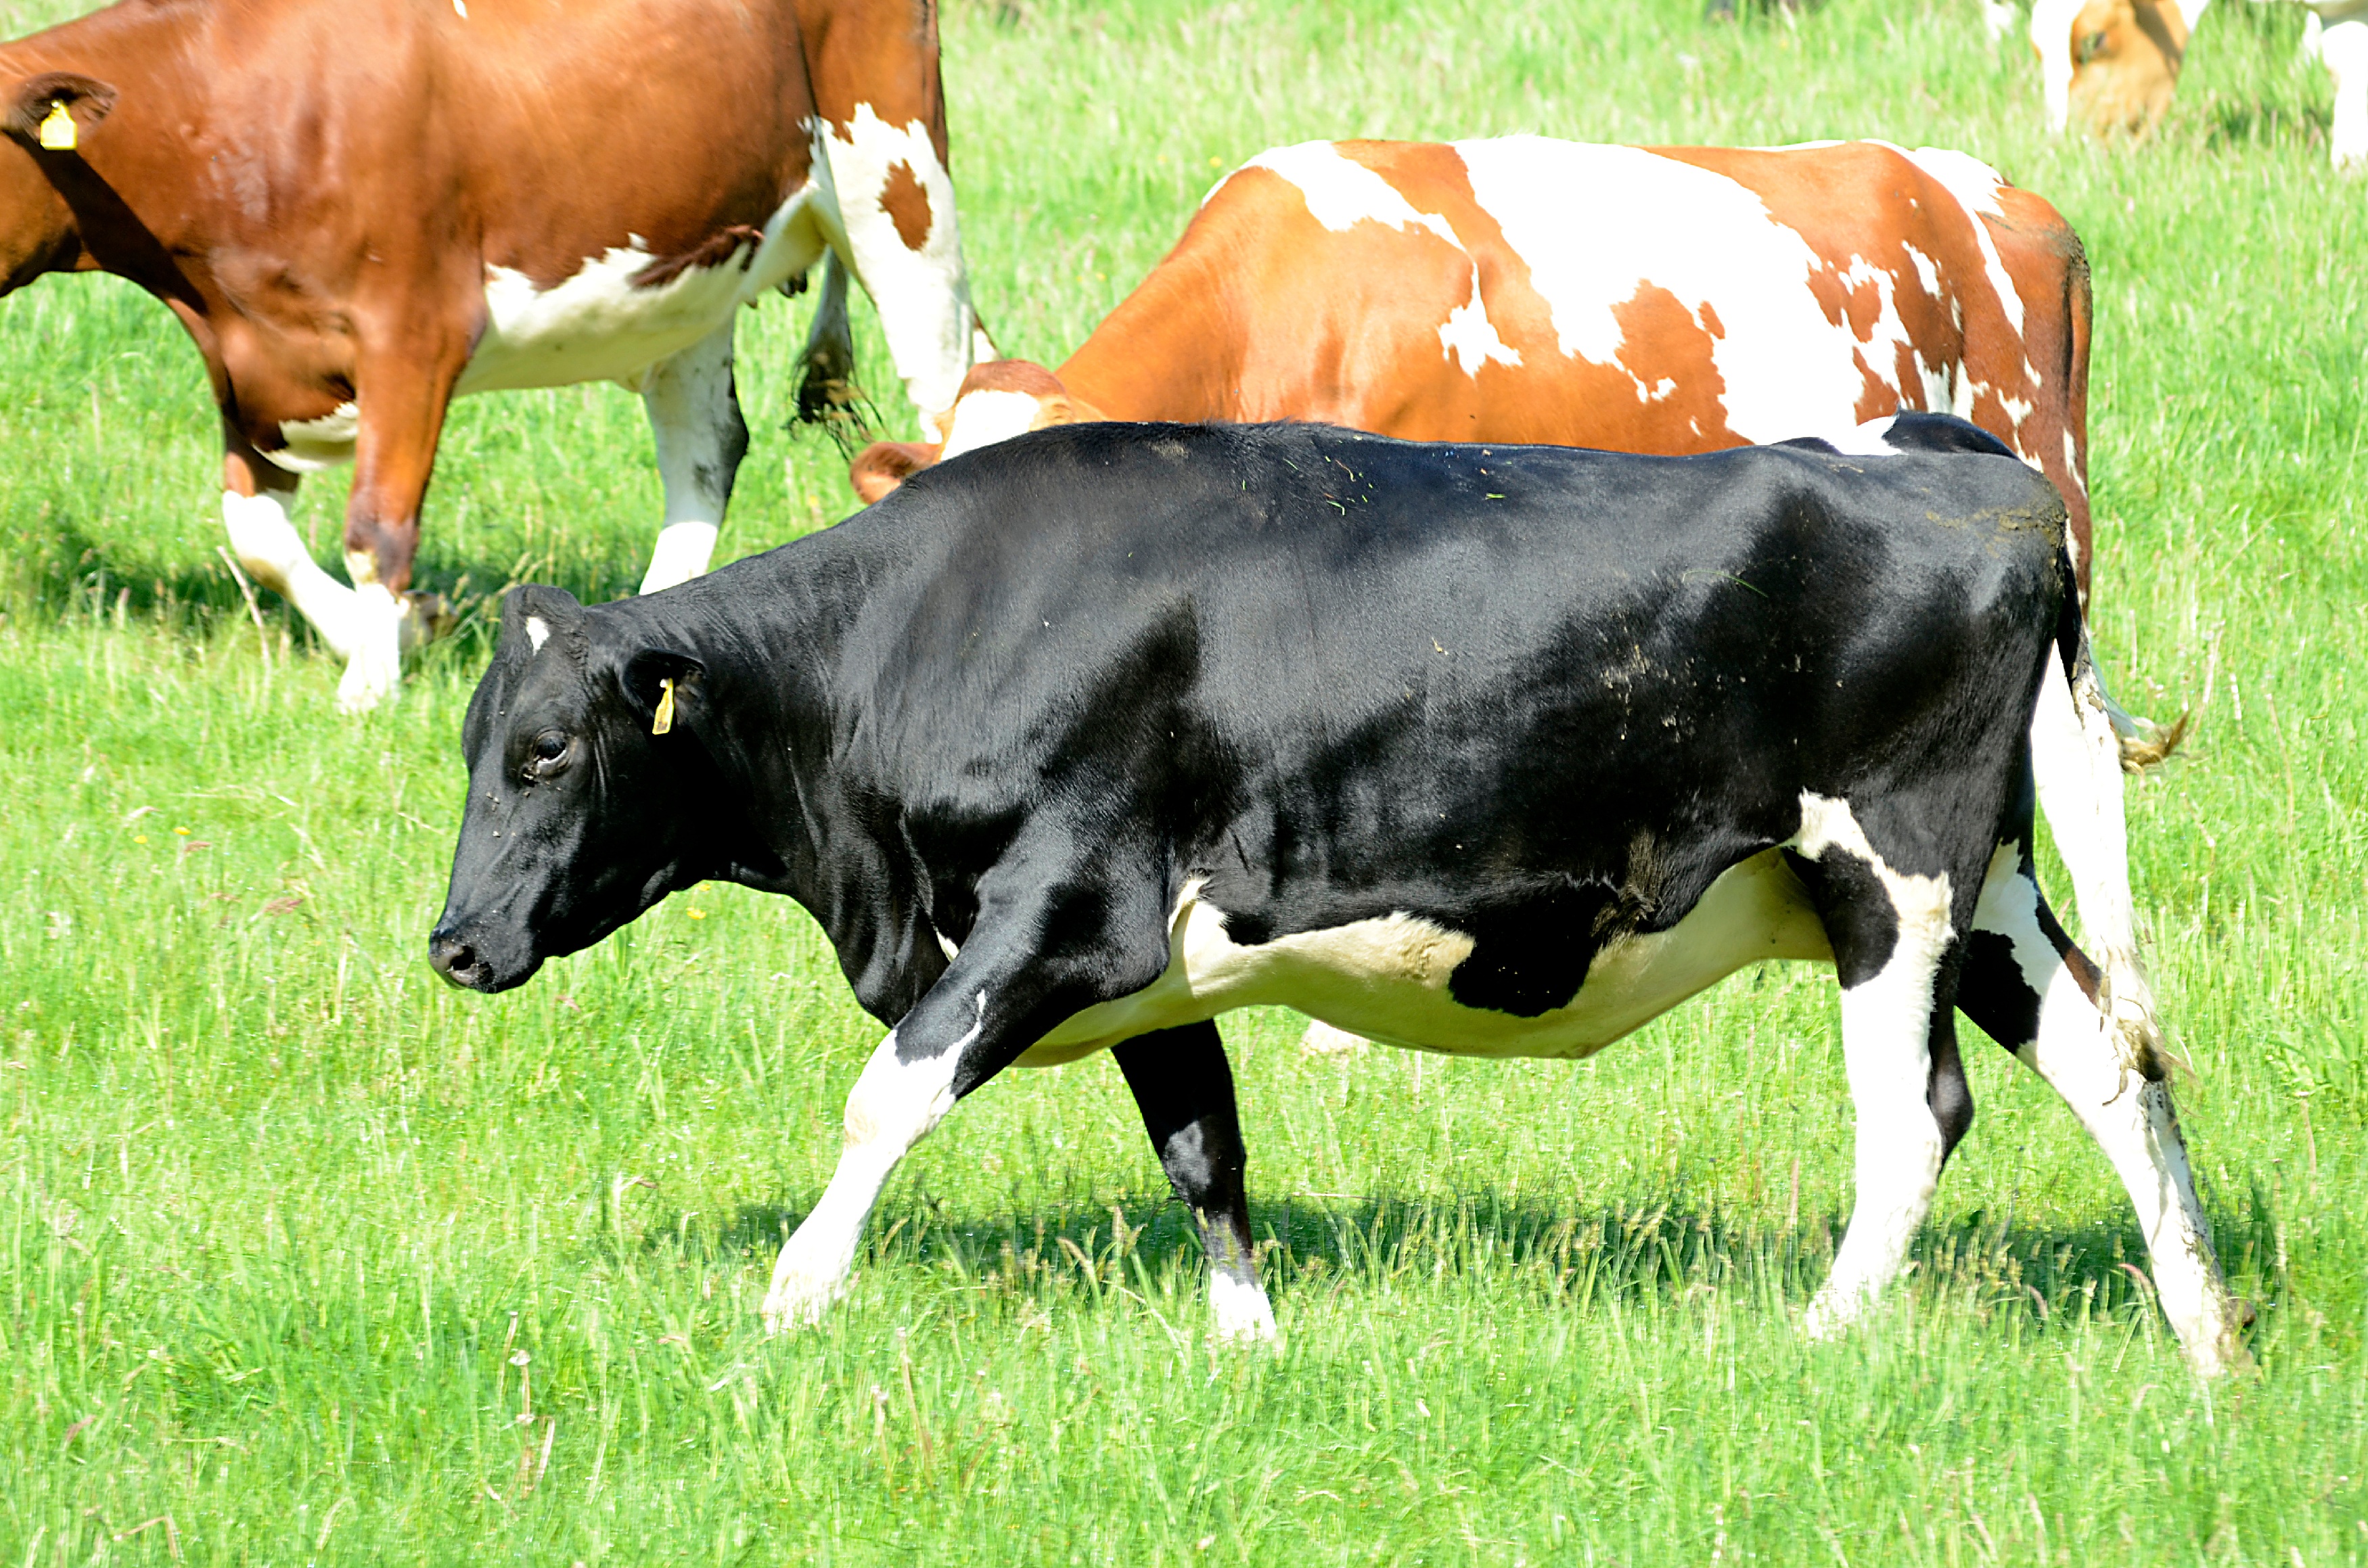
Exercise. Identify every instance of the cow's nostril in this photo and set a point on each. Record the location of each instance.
(450, 957)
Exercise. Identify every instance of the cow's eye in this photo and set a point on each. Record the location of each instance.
(2090, 47)
(550, 748)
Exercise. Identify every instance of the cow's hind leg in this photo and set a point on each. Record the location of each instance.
(1893, 936)
(694, 412)
(1184, 1088)
(2076, 762)
(2031, 990)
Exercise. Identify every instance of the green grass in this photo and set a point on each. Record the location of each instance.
(277, 1208)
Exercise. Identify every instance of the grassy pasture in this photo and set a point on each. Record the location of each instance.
(306, 1258)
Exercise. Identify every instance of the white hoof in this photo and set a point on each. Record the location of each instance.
(798, 1301)
(1829, 1317)
(1244, 1314)
(683, 551)
(375, 666)
(1323, 1039)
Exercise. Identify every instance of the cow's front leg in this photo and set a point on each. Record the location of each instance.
(403, 392)
(694, 412)
(1040, 952)
(905, 1090)
(1184, 1087)
(258, 496)
(2031, 990)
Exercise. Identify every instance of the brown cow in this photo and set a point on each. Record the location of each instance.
(1656, 300)
(363, 209)
(2110, 66)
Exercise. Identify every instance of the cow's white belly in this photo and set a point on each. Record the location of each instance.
(1387, 978)
(597, 325)
(594, 326)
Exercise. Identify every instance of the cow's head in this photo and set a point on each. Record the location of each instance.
(2108, 65)
(998, 401)
(46, 121)
(579, 817)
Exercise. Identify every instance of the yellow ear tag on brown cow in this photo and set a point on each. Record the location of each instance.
(58, 129)
(665, 720)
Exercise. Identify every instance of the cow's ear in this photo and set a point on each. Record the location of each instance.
(55, 109)
(662, 687)
(880, 467)
(535, 612)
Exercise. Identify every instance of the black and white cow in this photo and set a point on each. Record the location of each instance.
(1080, 740)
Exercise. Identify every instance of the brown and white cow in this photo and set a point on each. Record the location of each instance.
(2112, 65)
(363, 209)
(1666, 299)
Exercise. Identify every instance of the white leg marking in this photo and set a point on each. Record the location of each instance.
(882, 175)
(2131, 1118)
(269, 546)
(2077, 760)
(695, 420)
(1887, 1045)
(1242, 1311)
(374, 664)
(893, 1106)
(2342, 47)
(682, 552)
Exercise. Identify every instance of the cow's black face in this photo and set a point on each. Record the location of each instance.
(579, 818)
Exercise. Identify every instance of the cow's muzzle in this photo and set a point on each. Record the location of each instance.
(468, 964)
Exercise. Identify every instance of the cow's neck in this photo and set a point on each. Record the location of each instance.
(1171, 350)
(799, 802)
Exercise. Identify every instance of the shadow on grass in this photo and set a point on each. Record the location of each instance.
(1642, 1250)
(61, 568)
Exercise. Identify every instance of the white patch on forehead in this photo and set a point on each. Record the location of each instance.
(538, 631)
(598, 324)
(1341, 193)
(983, 418)
(1595, 225)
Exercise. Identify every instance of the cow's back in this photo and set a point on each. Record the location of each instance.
(1652, 300)
(1277, 630)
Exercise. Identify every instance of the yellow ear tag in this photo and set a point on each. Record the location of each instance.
(665, 720)
(58, 129)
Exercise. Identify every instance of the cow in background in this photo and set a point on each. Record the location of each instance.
(1644, 300)
(2110, 66)
(363, 210)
